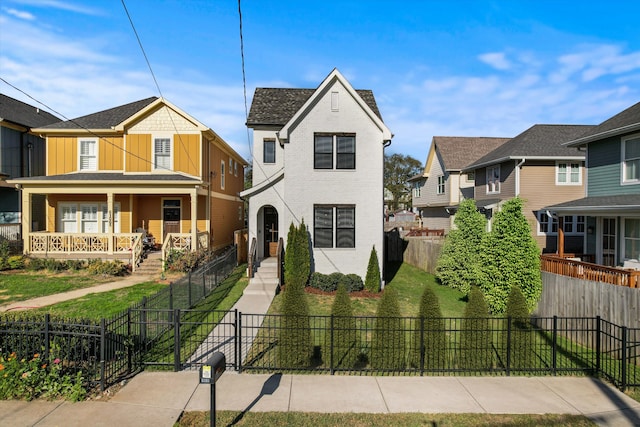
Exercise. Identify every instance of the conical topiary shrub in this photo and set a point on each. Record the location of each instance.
(345, 338)
(517, 335)
(430, 340)
(475, 339)
(388, 344)
(372, 280)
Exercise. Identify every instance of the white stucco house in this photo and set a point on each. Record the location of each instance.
(318, 155)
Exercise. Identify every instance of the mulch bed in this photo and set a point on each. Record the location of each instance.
(357, 294)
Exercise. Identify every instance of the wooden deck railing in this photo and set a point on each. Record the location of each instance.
(588, 271)
(182, 241)
(416, 232)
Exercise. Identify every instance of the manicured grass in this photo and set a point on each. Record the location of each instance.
(96, 306)
(23, 285)
(408, 281)
(266, 419)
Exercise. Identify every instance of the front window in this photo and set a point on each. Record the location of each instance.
(632, 238)
(344, 220)
(68, 218)
(631, 156)
(162, 153)
(568, 174)
(441, 181)
(88, 217)
(344, 147)
(493, 179)
(269, 153)
(88, 156)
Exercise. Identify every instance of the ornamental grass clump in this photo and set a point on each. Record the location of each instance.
(387, 344)
(31, 378)
(475, 339)
(430, 339)
(345, 338)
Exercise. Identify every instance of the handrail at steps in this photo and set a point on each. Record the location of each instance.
(251, 262)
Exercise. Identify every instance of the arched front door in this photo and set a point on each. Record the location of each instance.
(270, 227)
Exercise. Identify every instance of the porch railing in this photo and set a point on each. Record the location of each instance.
(588, 271)
(182, 242)
(87, 245)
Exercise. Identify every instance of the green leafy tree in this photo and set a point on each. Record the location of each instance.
(387, 344)
(458, 265)
(432, 334)
(510, 257)
(475, 340)
(398, 168)
(372, 280)
(517, 335)
(345, 338)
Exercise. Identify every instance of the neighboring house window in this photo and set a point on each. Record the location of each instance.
(88, 156)
(546, 224)
(345, 149)
(417, 189)
(222, 176)
(269, 152)
(239, 213)
(344, 219)
(235, 168)
(230, 166)
(632, 238)
(440, 188)
(162, 153)
(631, 160)
(493, 179)
(568, 174)
(471, 177)
(571, 224)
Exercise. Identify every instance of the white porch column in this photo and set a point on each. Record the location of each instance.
(26, 220)
(111, 218)
(194, 219)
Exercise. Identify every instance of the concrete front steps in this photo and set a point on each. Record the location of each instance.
(265, 279)
(151, 265)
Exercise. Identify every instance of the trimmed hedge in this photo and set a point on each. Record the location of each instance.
(329, 282)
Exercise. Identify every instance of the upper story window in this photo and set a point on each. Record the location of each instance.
(235, 168)
(269, 151)
(344, 147)
(568, 173)
(631, 160)
(162, 153)
(440, 188)
(88, 154)
(471, 176)
(222, 176)
(493, 179)
(417, 188)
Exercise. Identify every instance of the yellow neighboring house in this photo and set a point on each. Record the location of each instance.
(144, 168)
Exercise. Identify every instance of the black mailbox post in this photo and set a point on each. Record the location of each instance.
(209, 374)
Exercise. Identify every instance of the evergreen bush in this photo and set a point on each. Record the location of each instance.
(475, 339)
(345, 337)
(518, 337)
(330, 282)
(388, 343)
(432, 334)
(372, 280)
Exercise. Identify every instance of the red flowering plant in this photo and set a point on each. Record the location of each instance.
(24, 378)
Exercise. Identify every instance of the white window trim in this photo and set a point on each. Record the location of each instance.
(487, 180)
(574, 221)
(623, 181)
(569, 164)
(62, 205)
(623, 229)
(442, 185)
(153, 152)
(95, 141)
(78, 215)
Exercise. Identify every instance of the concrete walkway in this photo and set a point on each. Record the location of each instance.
(159, 398)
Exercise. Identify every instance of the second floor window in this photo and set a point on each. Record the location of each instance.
(493, 179)
(631, 159)
(88, 157)
(269, 151)
(568, 174)
(162, 153)
(417, 189)
(222, 177)
(440, 188)
(344, 147)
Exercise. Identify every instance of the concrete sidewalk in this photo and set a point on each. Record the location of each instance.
(158, 398)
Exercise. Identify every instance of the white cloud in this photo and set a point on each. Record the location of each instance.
(61, 5)
(19, 14)
(497, 60)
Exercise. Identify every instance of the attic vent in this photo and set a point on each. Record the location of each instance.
(334, 101)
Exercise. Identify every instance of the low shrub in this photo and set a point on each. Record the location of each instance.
(4, 255)
(329, 282)
(16, 262)
(184, 261)
(36, 378)
(107, 268)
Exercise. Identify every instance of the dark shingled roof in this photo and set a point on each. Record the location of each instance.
(537, 141)
(24, 114)
(114, 176)
(276, 106)
(624, 119)
(621, 202)
(104, 119)
(459, 151)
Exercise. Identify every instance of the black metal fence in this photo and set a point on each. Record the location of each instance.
(113, 348)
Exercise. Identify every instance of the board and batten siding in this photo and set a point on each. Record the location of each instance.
(186, 150)
(110, 153)
(62, 155)
(605, 169)
(138, 154)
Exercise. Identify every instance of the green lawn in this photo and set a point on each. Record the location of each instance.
(22, 285)
(266, 419)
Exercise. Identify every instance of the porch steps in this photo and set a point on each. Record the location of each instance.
(151, 265)
(265, 279)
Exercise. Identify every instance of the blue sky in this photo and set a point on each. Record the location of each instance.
(454, 68)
